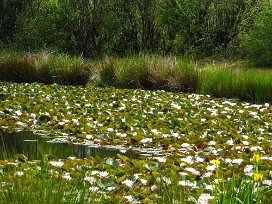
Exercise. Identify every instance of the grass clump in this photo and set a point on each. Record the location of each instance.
(44, 67)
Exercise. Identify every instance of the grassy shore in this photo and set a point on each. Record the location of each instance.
(175, 74)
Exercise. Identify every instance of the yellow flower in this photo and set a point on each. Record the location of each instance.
(216, 162)
(256, 157)
(258, 177)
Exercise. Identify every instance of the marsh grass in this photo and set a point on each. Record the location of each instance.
(36, 186)
(35, 189)
(44, 67)
(244, 191)
(233, 80)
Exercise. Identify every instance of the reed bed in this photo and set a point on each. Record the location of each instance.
(175, 74)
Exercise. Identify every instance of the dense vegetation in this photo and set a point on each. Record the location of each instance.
(94, 28)
(192, 148)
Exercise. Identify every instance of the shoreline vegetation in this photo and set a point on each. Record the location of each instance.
(218, 78)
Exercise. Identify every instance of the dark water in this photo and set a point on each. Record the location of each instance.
(35, 147)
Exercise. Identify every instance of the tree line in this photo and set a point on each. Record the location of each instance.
(94, 28)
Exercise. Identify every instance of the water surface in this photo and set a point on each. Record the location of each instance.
(35, 146)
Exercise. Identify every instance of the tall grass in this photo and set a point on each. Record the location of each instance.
(40, 189)
(44, 67)
(143, 71)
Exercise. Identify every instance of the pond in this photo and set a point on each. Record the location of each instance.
(36, 145)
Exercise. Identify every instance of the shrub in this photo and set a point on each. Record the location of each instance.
(257, 41)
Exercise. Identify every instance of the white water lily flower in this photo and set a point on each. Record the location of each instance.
(128, 183)
(93, 189)
(237, 161)
(160, 159)
(88, 105)
(129, 198)
(90, 179)
(248, 168)
(19, 173)
(188, 159)
(183, 183)
(255, 148)
(227, 109)
(230, 142)
(176, 106)
(246, 143)
(212, 143)
(110, 129)
(144, 181)
(111, 188)
(89, 137)
(211, 168)
(56, 163)
(266, 158)
(67, 176)
(33, 115)
(204, 198)
(228, 160)
(61, 123)
(188, 183)
(199, 159)
(123, 135)
(175, 134)
(209, 187)
(95, 172)
(253, 113)
(154, 131)
(75, 120)
(103, 174)
(185, 145)
(145, 140)
(18, 112)
(260, 130)
(192, 170)
(267, 182)
(154, 187)
(208, 174)
(238, 147)
(122, 150)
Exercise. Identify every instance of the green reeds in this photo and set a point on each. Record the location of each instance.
(143, 71)
(44, 67)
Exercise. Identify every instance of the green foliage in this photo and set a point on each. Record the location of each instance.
(257, 40)
(10, 10)
(48, 24)
(202, 27)
(120, 28)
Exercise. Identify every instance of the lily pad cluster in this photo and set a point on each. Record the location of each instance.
(181, 134)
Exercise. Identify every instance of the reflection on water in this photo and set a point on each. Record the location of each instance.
(35, 146)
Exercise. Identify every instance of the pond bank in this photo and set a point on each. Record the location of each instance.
(151, 72)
